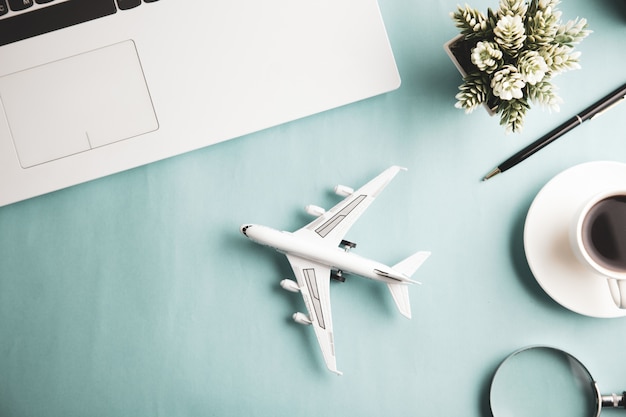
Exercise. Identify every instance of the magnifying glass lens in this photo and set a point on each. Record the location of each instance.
(543, 381)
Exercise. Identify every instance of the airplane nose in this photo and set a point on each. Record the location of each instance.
(244, 228)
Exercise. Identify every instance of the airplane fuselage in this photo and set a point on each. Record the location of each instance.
(334, 257)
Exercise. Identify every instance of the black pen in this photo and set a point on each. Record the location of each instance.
(592, 111)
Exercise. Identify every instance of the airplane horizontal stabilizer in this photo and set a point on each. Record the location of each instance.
(400, 294)
(411, 264)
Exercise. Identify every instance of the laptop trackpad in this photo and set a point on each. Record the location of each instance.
(77, 104)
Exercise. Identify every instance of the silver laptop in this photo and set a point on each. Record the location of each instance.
(93, 87)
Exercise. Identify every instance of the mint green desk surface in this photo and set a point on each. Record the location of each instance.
(136, 295)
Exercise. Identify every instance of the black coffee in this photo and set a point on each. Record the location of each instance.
(604, 233)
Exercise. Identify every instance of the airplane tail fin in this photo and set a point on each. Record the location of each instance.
(400, 291)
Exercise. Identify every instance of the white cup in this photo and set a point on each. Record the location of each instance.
(598, 238)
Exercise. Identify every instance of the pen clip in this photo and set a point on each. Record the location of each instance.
(608, 108)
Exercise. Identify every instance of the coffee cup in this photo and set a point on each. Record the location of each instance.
(598, 238)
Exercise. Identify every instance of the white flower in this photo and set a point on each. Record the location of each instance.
(560, 58)
(508, 83)
(544, 93)
(532, 66)
(487, 56)
(510, 34)
(547, 4)
(513, 7)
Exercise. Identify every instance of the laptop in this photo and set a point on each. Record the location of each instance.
(89, 88)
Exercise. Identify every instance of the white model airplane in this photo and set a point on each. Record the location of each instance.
(315, 256)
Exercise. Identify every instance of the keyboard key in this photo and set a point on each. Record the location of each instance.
(128, 4)
(42, 1)
(16, 5)
(52, 17)
(4, 9)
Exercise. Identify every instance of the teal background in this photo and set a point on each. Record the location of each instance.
(136, 295)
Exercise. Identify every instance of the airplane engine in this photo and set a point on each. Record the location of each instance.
(314, 210)
(301, 318)
(343, 190)
(289, 285)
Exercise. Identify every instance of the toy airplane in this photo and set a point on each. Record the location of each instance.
(316, 256)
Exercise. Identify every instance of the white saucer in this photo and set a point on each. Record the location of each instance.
(546, 239)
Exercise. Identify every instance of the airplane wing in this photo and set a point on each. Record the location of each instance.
(332, 226)
(314, 282)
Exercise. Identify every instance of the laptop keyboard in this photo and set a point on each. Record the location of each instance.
(23, 19)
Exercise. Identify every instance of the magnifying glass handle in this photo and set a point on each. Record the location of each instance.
(613, 400)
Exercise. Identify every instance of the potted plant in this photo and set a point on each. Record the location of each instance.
(508, 57)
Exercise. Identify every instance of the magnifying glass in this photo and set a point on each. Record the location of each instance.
(539, 381)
